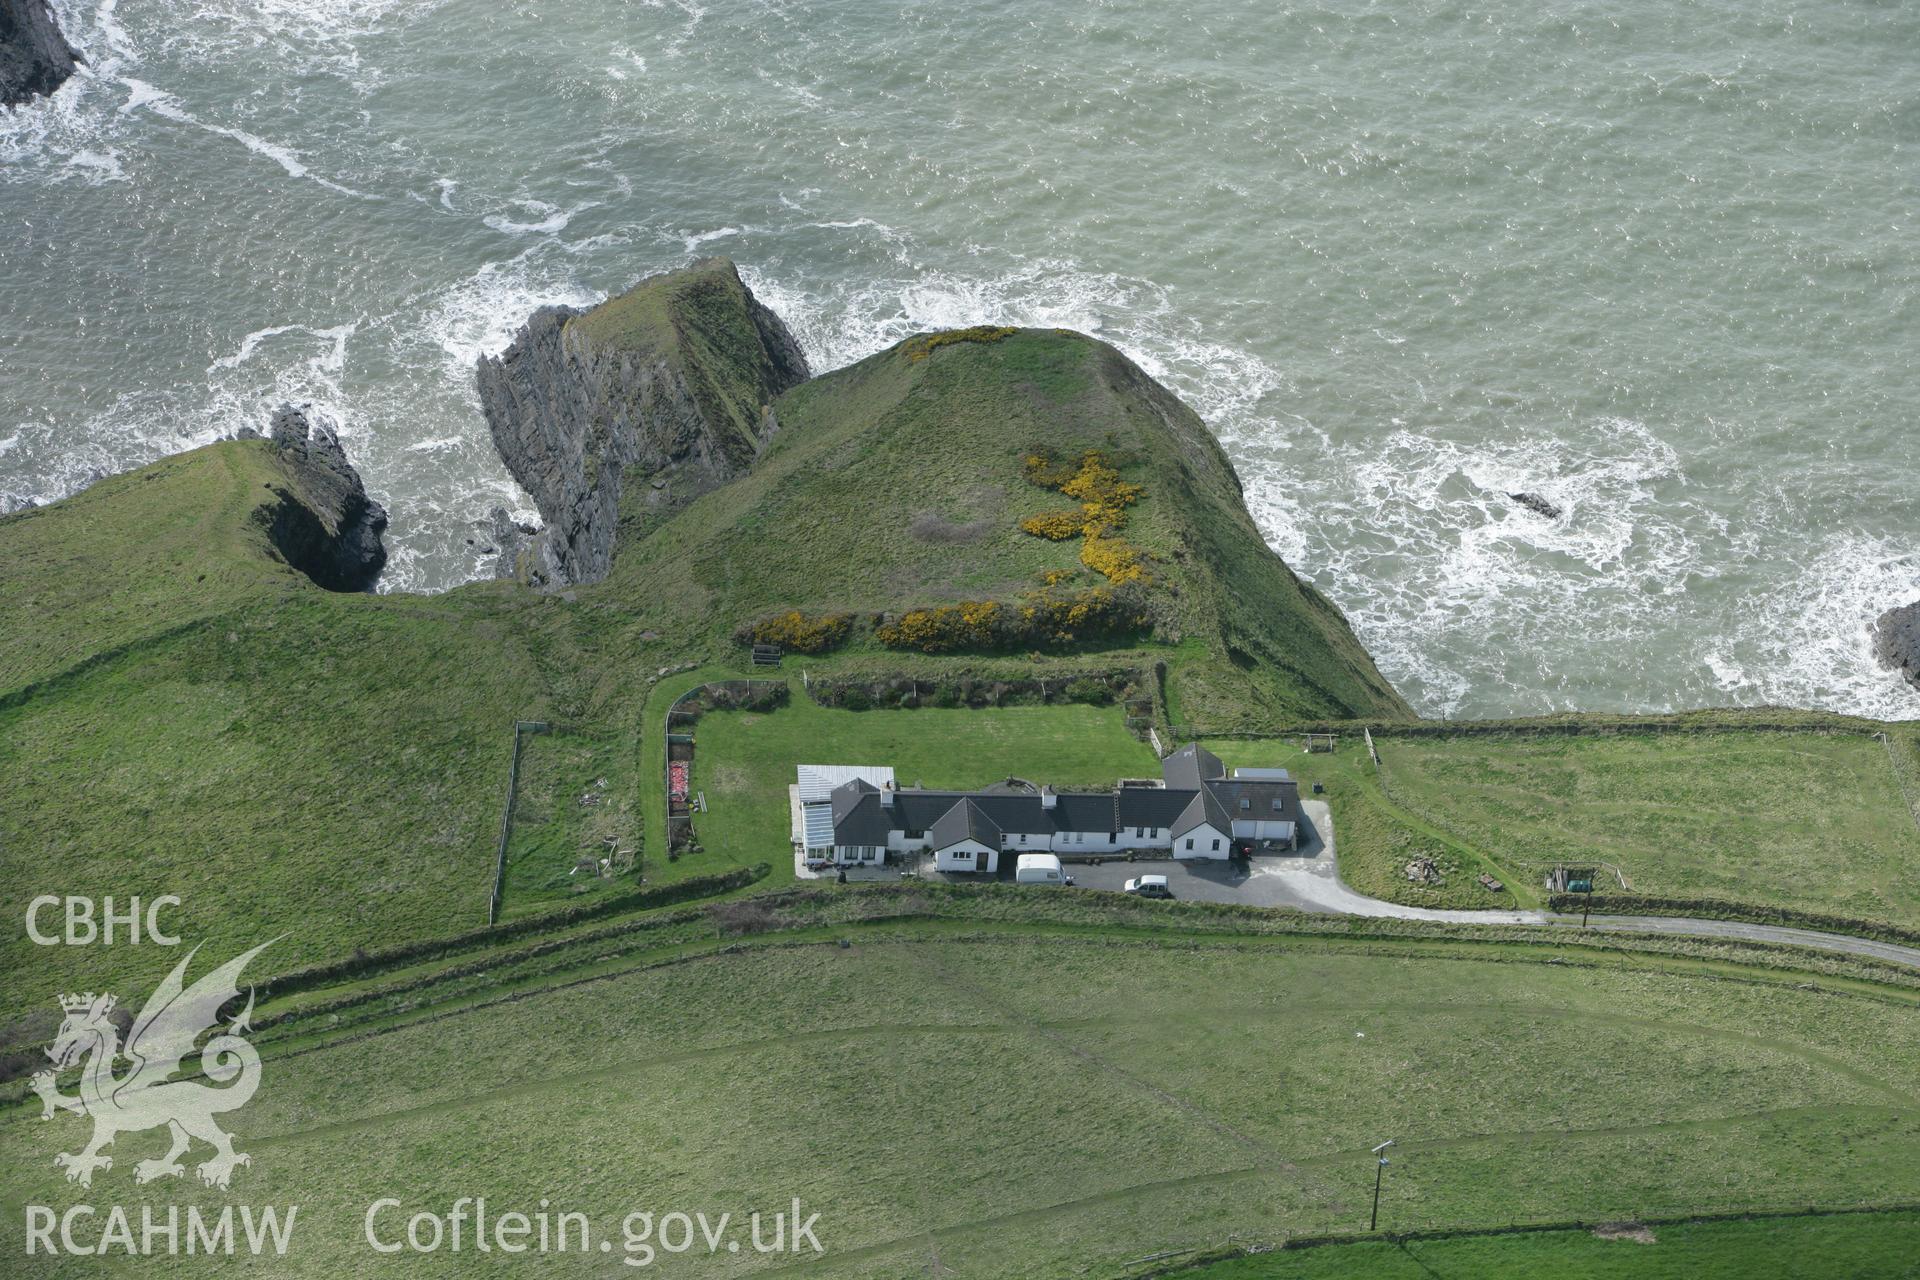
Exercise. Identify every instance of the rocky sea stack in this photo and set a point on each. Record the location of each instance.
(331, 529)
(1897, 641)
(624, 413)
(1537, 504)
(35, 57)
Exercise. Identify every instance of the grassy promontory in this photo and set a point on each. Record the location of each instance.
(182, 711)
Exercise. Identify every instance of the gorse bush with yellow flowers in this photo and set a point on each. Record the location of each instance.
(1114, 559)
(971, 624)
(1043, 619)
(801, 632)
(1104, 498)
(1055, 526)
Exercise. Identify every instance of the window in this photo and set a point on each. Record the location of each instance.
(1216, 844)
(1245, 803)
(1139, 832)
(1276, 806)
(1189, 842)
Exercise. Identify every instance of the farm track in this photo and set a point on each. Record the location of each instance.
(1315, 885)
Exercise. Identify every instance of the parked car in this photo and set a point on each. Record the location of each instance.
(1149, 887)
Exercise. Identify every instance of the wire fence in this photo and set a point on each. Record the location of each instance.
(506, 817)
(1900, 778)
(1397, 1230)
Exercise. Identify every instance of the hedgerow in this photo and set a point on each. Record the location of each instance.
(800, 632)
(1040, 619)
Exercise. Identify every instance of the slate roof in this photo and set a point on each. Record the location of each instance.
(863, 815)
(966, 820)
(1265, 800)
(857, 815)
(1080, 812)
(1149, 806)
(1202, 807)
(1191, 765)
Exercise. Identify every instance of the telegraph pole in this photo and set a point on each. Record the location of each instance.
(1378, 1170)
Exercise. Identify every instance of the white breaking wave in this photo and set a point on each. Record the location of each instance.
(550, 218)
(143, 96)
(479, 315)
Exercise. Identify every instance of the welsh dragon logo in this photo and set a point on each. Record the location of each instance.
(145, 1096)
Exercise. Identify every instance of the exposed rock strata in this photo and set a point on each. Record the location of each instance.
(329, 528)
(625, 412)
(1897, 641)
(510, 544)
(35, 57)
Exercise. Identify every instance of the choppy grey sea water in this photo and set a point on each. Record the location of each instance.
(1653, 259)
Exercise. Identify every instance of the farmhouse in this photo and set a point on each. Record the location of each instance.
(851, 815)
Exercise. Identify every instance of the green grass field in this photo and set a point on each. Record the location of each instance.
(745, 761)
(1869, 1246)
(577, 791)
(1059, 1103)
(1814, 821)
(1376, 838)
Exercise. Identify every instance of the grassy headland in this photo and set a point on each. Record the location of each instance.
(183, 712)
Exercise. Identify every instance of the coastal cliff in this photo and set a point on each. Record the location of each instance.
(324, 525)
(623, 413)
(35, 57)
(1897, 641)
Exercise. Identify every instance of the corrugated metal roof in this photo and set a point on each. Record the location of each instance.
(817, 781)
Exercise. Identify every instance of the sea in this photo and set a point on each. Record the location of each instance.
(1652, 260)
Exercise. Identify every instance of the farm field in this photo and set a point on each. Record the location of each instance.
(1062, 1103)
(1813, 821)
(1859, 1246)
(745, 761)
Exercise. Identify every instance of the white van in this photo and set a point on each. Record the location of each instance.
(1040, 868)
